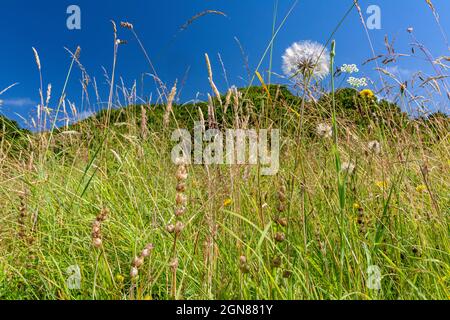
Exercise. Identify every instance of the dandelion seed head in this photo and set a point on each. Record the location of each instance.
(324, 130)
(374, 147)
(306, 59)
(348, 168)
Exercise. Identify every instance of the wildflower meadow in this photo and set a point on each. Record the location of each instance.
(314, 177)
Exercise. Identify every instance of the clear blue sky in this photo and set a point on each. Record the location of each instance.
(42, 24)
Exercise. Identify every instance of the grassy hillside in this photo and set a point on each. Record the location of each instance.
(317, 230)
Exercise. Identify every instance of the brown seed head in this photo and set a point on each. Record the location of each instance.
(138, 262)
(97, 242)
(280, 237)
(174, 264)
(126, 25)
(179, 227)
(180, 211)
(181, 199)
(134, 272)
(276, 262)
(170, 228)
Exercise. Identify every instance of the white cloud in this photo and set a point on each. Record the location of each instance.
(19, 102)
(83, 115)
(399, 71)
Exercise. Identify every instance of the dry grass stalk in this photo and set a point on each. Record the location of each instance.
(202, 120)
(169, 106)
(177, 228)
(144, 120)
(23, 214)
(138, 261)
(212, 123)
(127, 25)
(211, 81)
(227, 100)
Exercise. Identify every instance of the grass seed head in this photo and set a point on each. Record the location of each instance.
(170, 228)
(179, 227)
(280, 237)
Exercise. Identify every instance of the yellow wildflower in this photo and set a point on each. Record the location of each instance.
(356, 206)
(228, 202)
(120, 278)
(421, 188)
(367, 93)
(381, 184)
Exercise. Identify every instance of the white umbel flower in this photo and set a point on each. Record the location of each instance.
(324, 130)
(306, 59)
(357, 82)
(349, 68)
(374, 147)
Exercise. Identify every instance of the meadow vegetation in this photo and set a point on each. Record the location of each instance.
(362, 186)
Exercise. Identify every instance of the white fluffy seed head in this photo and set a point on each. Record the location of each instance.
(324, 130)
(374, 147)
(306, 59)
(348, 168)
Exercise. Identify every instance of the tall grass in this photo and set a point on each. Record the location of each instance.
(311, 232)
